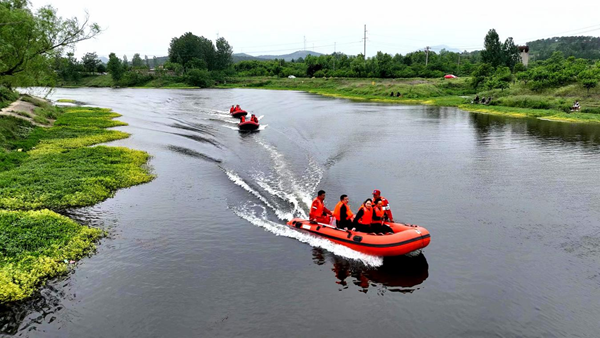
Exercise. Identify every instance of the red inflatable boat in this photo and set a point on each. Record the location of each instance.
(248, 125)
(406, 238)
(238, 113)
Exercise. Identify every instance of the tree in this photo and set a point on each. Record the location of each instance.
(510, 54)
(137, 62)
(90, 62)
(224, 54)
(188, 47)
(492, 54)
(588, 79)
(480, 74)
(114, 67)
(29, 42)
(125, 63)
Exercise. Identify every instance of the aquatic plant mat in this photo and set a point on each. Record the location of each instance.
(54, 168)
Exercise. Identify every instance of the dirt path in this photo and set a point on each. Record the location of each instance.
(24, 107)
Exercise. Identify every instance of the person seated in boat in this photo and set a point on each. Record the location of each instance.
(318, 211)
(237, 108)
(231, 109)
(242, 119)
(253, 118)
(342, 213)
(385, 205)
(364, 217)
(378, 225)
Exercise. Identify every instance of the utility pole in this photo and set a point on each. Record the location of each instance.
(426, 55)
(365, 40)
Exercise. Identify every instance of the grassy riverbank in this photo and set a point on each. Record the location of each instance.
(517, 101)
(54, 168)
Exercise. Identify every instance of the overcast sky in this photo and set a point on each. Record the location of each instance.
(280, 27)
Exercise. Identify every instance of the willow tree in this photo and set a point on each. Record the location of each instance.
(30, 41)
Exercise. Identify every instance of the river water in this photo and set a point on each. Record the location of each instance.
(513, 207)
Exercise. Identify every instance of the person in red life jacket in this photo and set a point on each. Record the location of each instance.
(253, 118)
(385, 204)
(378, 225)
(364, 217)
(237, 108)
(242, 119)
(231, 109)
(318, 211)
(342, 213)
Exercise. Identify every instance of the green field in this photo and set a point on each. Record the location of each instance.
(46, 170)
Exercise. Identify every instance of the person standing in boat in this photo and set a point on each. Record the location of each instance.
(342, 213)
(318, 211)
(385, 204)
(364, 217)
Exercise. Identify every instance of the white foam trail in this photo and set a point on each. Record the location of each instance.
(265, 183)
(284, 230)
(263, 127)
(240, 182)
(260, 117)
(233, 128)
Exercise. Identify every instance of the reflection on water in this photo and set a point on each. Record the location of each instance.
(397, 274)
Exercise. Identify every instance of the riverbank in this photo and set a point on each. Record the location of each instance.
(44, 170)
(549, 104)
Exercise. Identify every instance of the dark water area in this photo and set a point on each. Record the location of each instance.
(513, 207)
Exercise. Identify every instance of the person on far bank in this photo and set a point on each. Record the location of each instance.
(318, 211)
(385, 205)
(342, 213)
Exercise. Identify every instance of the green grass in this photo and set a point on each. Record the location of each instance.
(66, 101)
(35, 245)
(56, 169)
(517, 101)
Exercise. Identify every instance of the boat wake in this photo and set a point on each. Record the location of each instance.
(249, 213)
(287, 195)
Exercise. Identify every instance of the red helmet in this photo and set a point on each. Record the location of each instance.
(376, 192)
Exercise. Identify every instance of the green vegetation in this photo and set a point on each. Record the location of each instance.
(66, 101)
(584, 47)
(54, 168)
(30, 41)
(35, 246)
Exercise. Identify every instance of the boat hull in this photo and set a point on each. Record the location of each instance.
(405, 239)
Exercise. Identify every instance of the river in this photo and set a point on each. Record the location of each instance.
(512, 205)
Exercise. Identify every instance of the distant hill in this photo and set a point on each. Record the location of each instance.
(238, 57)
(290, 57)
(438, 48)
(585, 47)
(104, 59)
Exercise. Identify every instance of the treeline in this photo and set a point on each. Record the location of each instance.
(382, 65)
(499, 68)
(580, 47)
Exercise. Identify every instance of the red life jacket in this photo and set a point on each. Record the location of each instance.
(378, 213)
(338, 209)
(316, 209)
(367, 217)
(243, 118)
(231, 110)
